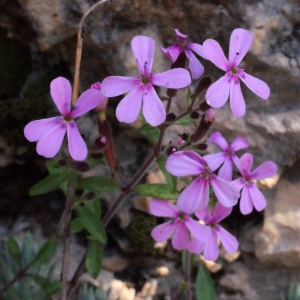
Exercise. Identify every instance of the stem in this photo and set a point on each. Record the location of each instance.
(187, 276)
(67, 241)
(80, 36)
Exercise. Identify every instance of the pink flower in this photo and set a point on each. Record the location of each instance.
(251, 195)
(226, 157)
(50, 132)
(141, 89)
(188, 48)
(103, 99)
(210, 246)
(195, 197)
(180, 226)
(217, 94)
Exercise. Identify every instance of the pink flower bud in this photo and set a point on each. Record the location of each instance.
(104, 99)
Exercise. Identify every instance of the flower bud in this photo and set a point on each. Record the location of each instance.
(203, 85)
(62, 163)
(97, 156)
(101, 142)
(104, 99)
(202, 146)
(88, 196)
(170, 117)
(194, 115)
(80, 166)
(171, 149)
(204, 106)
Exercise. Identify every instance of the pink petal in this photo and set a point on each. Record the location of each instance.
(129, 108)
(34, 130)
(163, 208)
(246, 204)
(195, 156)
(204, 215)
(214, 52)
(238, 183)
(171, 52)
(258, 199)
(153, 109)
(77, 146)
(257, 86)
(228, 241)
(265, 170)
(237, 102)
(211, 249)
(219, 140)
(180, 35)
(240, 43)
(217, 94)
(236, 160)
(162, 232)
(225, 171)
(180, 164)
(181, 238)
(196, 246)
(50, 143)
(195, 195)
(197, 49)
(239, 143)
(225, 192)
(118, 85)
(87, 101)
(199, 231)
(246, 162)
(221, 212)
(143, 48)
(61, 91)
(195, 66)
(174, 79)
(214, 161)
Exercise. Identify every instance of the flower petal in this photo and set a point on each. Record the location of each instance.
(196, 246)
(153, 109)
(129, 108)
(162, 232)
(258, 199)
(217, 94)
(218, 139)
(240, 43)
(163, 208)
(245, 165)
(199, 231)
(246, 204)
(181, 238)
(214, 52)
(265, 170)
(198, 49)
(257, 86)
(214, 161)
(181, 164)
(238, 183)
(50, 143)
(237, 102)
(225, 171)
(195, 66)
(204, 215)
(171, 52)
(211, 249)
(228, 241)
(118, 85)
(61, 91)
(34, 130)
(220, 212)
(225, 192)
(77, 146)
(239, 143)
(173, 79)
(143, 48)
(86, 102)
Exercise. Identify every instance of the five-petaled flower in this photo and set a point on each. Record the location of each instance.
(141, 89)
(195, 197)
(210, 246)
(217, 94)
(50, 132)
(181, 225)
(251, 195)
(226, 157)
(173, 51)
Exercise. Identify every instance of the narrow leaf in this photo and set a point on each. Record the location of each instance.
(98, 184)
(171, 180)
(46, 253)
(160, 191)
(51, 288)
(151, 132)
(71, 177)
(186, 120)
(48, 184)
(205, 289)
(189, 96)
(93, 259)
(13, 249)
(76, 225)
(94, 205)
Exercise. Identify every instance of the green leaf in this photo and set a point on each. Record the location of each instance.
(92, 224)
(76, 225)
(93, 259)
(46, 253)
(48, 184)
(205, 289)
(171, 180)
(151, 132)
(13, 249)
(189, 96)
(71, 177)
(186, 120)
(94, 205)
(160, 191)
(53, 167)
(51, 288)
(184, 253)
(98, 184)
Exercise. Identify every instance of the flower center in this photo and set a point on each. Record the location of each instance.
(67, 118)
(207, 174)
